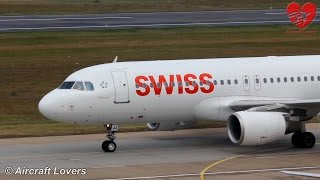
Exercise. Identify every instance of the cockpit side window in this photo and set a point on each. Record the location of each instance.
(78, 86)
(89, 86)
(67, 85)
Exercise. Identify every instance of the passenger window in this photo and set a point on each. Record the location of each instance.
(145, 85)
(292, 79)
(158, 85)
(265, 80)
(151, 85)
(312, 78)
(215, 82)
(305, 78)
(222, 82)
(165, 84)
(173, 84)
(318, 78)
(235, 81)
(229, 81)
(137, 85)
(89, 86)
(67, 85)
(285, 79)
(180, 84)
(201, 83)
(78, 86)
(246, 81)
(271, 80)
(187, 83)
(278, 80)
(298, 79)
(208, 82)
(257, 81)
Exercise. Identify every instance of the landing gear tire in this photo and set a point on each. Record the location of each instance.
(109, 146)
(296, 139)
(308, 140)
(303, 140)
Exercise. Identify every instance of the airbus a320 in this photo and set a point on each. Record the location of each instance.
(262, 98)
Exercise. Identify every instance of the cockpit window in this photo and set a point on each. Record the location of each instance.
(78, 86)
(89, 86)
(67, 85)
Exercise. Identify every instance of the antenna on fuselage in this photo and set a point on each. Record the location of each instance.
(115, 60)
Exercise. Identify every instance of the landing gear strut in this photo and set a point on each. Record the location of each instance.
(109, 145)
(303, 140)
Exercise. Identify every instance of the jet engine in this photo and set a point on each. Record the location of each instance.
(256, 128)
(171, 126)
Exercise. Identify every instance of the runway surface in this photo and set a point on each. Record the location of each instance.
(158, 155)
(144, 20)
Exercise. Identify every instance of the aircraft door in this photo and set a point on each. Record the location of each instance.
(121, 87)
(246, 83)
(257, 82)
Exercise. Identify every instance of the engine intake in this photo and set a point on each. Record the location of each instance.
(256, 128)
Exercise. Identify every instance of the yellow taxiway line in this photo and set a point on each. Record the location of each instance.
(203, 172)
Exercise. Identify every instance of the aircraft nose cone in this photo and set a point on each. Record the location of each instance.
(45, 107)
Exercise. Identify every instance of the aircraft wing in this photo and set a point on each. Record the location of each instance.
(270, 105)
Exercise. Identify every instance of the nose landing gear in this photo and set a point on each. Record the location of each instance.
(109, 145)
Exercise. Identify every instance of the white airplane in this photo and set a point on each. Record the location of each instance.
(262, 98)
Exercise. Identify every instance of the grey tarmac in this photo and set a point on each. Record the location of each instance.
(158, 155)
(144, 20)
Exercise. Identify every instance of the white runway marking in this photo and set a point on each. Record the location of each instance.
(142, 25)
(216, 173)
(275, 13)
(62, 18)
(191, 24)
(314, 175)
(74, 159)
(216, 11)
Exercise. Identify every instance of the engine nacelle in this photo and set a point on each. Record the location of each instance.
(171, 126)
(256, 128)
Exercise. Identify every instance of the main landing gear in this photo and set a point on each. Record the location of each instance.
(109, 145)
(303, 140)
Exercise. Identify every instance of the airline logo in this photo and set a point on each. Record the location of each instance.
(174, 83)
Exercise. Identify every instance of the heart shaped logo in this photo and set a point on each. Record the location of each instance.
(302, 16)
